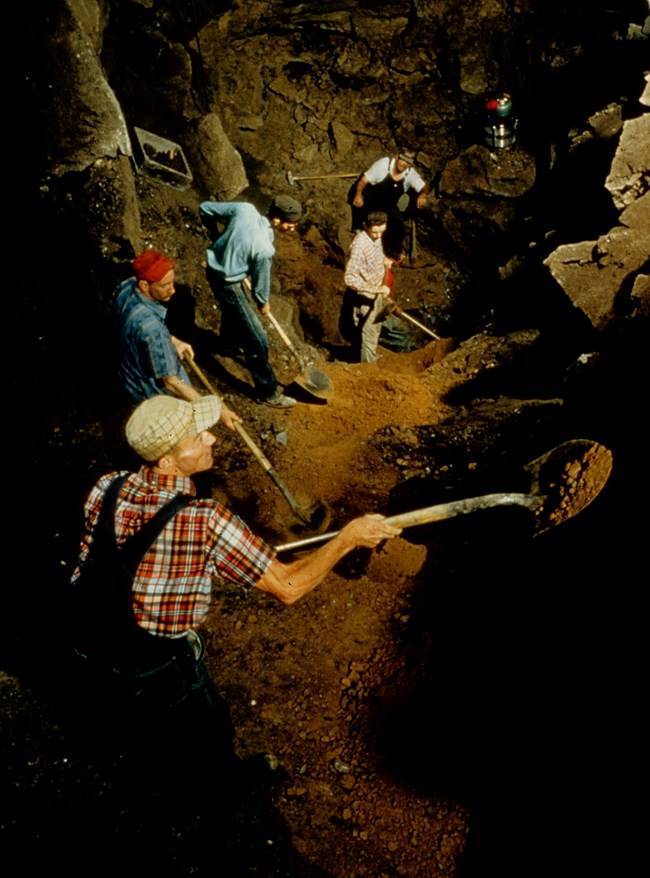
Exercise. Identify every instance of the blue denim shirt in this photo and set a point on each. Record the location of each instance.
(245, 246)
(145, 350)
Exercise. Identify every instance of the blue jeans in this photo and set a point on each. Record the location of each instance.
(241, 327)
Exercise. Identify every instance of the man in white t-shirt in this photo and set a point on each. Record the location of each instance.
(393, 186)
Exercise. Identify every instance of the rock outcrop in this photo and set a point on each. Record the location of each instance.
(85, 120)
(218, 167)
(608, 278)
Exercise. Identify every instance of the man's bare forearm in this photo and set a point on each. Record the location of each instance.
(289, 582)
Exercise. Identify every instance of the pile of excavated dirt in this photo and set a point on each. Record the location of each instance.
(322, 449)
(304, 682)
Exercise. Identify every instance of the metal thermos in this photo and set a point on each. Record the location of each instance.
(500, 128)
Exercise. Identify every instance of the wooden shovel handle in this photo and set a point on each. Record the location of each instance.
(253, 447)
(270, 470)
(429, 514)
(400, 313)
(460, 507)
(285, 338)
(256, 451)
(280, 331)
(266, 463)
(200, 375)
(326, 177)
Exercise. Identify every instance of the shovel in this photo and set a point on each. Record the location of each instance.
(311, 379)
(314, 514)
(563, 482)
(313, 382)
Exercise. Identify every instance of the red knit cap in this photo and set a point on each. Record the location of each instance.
(152, 266)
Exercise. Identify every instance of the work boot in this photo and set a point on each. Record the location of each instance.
(279, 401)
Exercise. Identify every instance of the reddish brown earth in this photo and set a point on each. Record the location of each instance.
(306, 679)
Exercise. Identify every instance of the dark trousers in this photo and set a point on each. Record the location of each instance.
(242, 328)
(161, 720)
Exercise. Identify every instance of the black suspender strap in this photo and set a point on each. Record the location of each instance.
(133, 550)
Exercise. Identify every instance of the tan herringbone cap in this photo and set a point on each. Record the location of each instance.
(158, 424)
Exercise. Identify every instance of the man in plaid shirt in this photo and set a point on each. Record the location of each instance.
(364, 275)
(160, 683)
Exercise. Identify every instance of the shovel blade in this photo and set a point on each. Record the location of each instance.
(316, 380)
(568, 478)
(304, 395)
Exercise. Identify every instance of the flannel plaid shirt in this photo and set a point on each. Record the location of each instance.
(202, 542)
(365, 267)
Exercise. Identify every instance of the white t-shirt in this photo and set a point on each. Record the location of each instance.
(383, 167)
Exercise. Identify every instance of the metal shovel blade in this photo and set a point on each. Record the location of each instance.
(310, 379)
(567, 479)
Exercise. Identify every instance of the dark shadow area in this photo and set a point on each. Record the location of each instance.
(524, 693)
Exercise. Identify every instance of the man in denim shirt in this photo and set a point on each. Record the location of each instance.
(149, 356)
(245, 249)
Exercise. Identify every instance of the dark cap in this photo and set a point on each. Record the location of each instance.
(286, 208)
(407, 155)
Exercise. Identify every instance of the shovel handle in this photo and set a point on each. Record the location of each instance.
(254, 448)
(291, 177)
(259, 455)
(429, 514)
(280, 331)
(460, 507)
(266, 464)
(200, 375)
(285, 338)
(400, 313)
(256, 451)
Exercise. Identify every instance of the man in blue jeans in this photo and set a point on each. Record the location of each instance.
(245, 249)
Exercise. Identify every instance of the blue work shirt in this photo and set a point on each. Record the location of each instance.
(146, 354)
(245, 247)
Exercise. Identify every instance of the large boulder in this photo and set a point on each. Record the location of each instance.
(600, 276)
(479, 192)
(629, 176)
(109, 205)
(84, 119)
(479, 172)
(607, 278)
(216, 164)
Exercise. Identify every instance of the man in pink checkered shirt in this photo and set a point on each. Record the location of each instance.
(364, 276)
